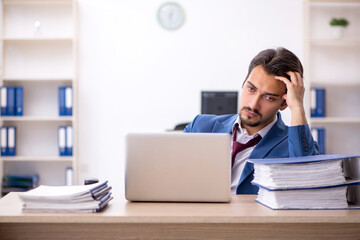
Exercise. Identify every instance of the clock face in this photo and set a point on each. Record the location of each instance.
(171, 15)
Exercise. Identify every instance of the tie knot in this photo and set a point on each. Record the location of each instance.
(238, 147)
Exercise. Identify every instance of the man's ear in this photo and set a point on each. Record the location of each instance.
(283, 106)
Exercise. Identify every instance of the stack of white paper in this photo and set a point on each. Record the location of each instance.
(312, 182)
(82, 198)
(322, 198)
(299, 175)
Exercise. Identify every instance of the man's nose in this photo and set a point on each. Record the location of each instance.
(254, 102)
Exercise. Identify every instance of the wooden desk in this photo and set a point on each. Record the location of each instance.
(242, 218)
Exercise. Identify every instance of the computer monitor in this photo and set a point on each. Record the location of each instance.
(219, 102)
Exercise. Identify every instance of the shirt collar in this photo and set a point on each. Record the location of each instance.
(262, 132)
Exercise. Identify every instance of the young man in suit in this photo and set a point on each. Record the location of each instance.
(274, 82)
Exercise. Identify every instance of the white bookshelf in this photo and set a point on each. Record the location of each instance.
(38, 119)
(37, 159)
(15, 39)
(336, 42)
(39, 52)
(334, 64)
(355, 120)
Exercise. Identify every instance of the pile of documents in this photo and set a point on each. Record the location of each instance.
(311, 182)
(82, 198)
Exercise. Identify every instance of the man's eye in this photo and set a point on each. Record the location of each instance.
(270, 99)
(251, 89)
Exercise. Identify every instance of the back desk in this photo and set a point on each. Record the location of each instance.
(241, 218)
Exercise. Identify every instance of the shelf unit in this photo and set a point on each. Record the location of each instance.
(334, 64)
(39, 52)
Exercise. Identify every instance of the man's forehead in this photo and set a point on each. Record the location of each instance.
(268, 91)
(265, 82)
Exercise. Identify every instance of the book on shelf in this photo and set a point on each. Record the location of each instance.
(319, 135)
(65, 101)
(69, 176)
(11, 148)
(69, 140)
(8, 141)
(68, 101)
(3, 141)
(11, 101)
(62, 140)
(19, 183)
(3, 101)
(309, 182)
(19, 101)
(65, 140)
(317, 99)
(79, 198)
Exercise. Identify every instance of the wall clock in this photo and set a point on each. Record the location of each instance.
(171, 16)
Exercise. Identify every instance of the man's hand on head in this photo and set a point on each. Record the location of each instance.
(294, 97)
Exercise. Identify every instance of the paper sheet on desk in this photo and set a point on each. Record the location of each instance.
(84, 198)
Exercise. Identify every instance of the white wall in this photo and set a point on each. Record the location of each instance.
(136, 76)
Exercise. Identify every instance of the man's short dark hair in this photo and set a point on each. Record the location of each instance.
(277, 62)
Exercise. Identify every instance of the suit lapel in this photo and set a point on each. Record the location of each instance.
(275, 135)
(225, 126)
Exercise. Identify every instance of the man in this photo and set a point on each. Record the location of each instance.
(274, 82)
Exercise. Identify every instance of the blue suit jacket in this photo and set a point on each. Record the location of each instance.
(280, 141)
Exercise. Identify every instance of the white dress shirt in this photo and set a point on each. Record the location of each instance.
(241, 158)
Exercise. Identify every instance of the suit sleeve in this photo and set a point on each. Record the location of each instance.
(301, 142)
(190, 126)
(202, 123)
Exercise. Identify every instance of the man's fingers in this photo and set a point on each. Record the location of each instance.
(283, 79)
(301, 80)
(299, 76)
(295, 78)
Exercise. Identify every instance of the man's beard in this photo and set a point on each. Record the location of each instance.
(248, 122)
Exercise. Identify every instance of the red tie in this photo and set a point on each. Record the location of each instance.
(238, 147)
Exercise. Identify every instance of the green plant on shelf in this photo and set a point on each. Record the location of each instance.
(342, 22)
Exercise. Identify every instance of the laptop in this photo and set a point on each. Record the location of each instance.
(178, 167)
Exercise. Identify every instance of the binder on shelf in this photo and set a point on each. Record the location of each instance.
(11, 101)
(19, 102)
(62, 140)
(11, 141)
(62, 101)
(69, 141)
(19, 183)
(68, 101)
(3, 141)
(69, 176)
(3, 101)
(65, 101)
(319, 135)
(317, 102)
(20, 180)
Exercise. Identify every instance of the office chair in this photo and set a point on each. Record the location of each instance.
(181, 126)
